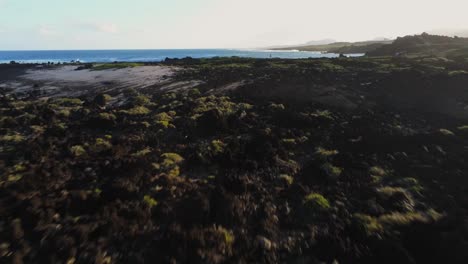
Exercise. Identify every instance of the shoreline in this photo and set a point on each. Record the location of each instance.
(151, 56)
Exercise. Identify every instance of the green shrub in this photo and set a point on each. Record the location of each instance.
(288, 166)
(137, 110)
(12, 138)
(217, 146)
(174, 172)
(107, 116)
(20, 104)
(206, 150)
(408, 181)
(289, 141)
(19, 167)
(316, 201)
(403, 219)
(400, 218)
(170, 164)
(68, 101)
(173, 157)
(228, 235)
(102, 99)
(397, 198)
(458, 72)
(446, 132)
(220, 103)
(388, 191)
(150, 201)
(194, 92)
(101, 145)
(327, 66)
(130, 92)
(276, 107)
(170, 96)
(323, 154)
(141, 153)
(164, 124)
(38, 129)
(141, 100)
(411, 183)
(118, 65)
(163, 117)
(325, 114)
(59, 127)
(15, 173)
(14, 177)
(8, 121)
(64, 113)
(77, 151)
(368, 224)
(288, 179)
(377, 171)
(331, 171)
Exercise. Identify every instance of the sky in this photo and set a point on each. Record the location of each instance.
(158, 24)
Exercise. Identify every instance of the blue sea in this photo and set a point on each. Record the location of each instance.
(149, 55)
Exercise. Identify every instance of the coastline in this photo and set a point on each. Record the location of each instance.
(106, 56)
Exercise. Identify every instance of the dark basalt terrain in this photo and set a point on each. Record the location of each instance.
(267, 161)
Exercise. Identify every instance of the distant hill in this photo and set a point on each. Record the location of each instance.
(309, 43)
(411, 46)
(342, 47)
(319, 42)
(424, 44)
(450, 32)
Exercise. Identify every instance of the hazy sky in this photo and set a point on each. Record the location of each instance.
(113, 24)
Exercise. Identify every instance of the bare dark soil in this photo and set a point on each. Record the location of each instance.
(302, 161)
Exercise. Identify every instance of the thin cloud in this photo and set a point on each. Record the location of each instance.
(101, 27)
(47, 31)
(107, 28)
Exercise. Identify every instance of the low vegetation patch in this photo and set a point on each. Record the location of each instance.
(316, 201)
(114, 66)
(332, 171)
(77, 151)
(149, 201)
(137, 110)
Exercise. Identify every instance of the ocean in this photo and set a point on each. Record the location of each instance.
(55, 56)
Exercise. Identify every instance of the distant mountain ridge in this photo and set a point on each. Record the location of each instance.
(341, 47)
(313, 42)
(320, 42)
(424, 44)
(463, 33)
(412, 45)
